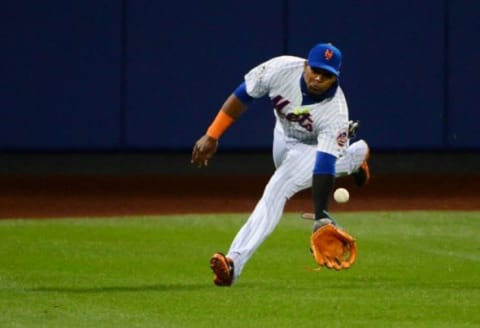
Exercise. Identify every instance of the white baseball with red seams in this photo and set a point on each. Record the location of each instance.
(300, 131)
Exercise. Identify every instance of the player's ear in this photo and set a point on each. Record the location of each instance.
(305, 66)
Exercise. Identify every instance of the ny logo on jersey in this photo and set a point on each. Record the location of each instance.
(299, 115)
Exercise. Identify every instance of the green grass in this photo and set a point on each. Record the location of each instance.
(414, 269)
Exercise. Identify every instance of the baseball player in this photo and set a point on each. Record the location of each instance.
(310, 145)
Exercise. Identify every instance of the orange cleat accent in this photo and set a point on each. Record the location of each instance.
(222, 267)
(362, 176)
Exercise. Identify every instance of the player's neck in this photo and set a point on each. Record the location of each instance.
(310, 98)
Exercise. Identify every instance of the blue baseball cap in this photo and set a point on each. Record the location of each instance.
(325, 56)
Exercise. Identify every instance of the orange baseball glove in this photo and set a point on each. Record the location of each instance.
(333, 248)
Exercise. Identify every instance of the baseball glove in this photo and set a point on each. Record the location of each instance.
(333, 248)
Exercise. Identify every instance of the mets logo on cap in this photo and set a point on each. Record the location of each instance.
(328, 54)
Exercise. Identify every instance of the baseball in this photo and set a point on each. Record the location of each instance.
(341, 195)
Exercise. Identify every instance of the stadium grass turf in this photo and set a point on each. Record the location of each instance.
(414, 269)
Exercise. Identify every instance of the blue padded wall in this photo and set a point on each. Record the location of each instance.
(183, 61)
(463, 74)
(61, 74)
(151, 75)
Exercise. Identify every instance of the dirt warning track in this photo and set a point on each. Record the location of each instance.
(74, 196)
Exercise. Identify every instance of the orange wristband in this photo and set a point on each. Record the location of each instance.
(219, 125)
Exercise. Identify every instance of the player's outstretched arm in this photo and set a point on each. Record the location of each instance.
(207, 145)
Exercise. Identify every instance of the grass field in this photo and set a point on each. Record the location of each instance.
(414, 269)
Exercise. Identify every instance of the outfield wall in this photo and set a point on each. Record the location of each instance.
(150, 75)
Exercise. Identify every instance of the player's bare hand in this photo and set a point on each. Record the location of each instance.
(204, 150)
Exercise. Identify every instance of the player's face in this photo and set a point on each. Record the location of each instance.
(318, 80)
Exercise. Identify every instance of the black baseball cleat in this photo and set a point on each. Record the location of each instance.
(362, 176)
(222, 267)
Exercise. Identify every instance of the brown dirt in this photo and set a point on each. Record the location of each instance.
(61, 196)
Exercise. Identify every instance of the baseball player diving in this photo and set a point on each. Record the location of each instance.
(311, 147)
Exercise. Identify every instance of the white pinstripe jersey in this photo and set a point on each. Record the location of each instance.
(323, 123)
